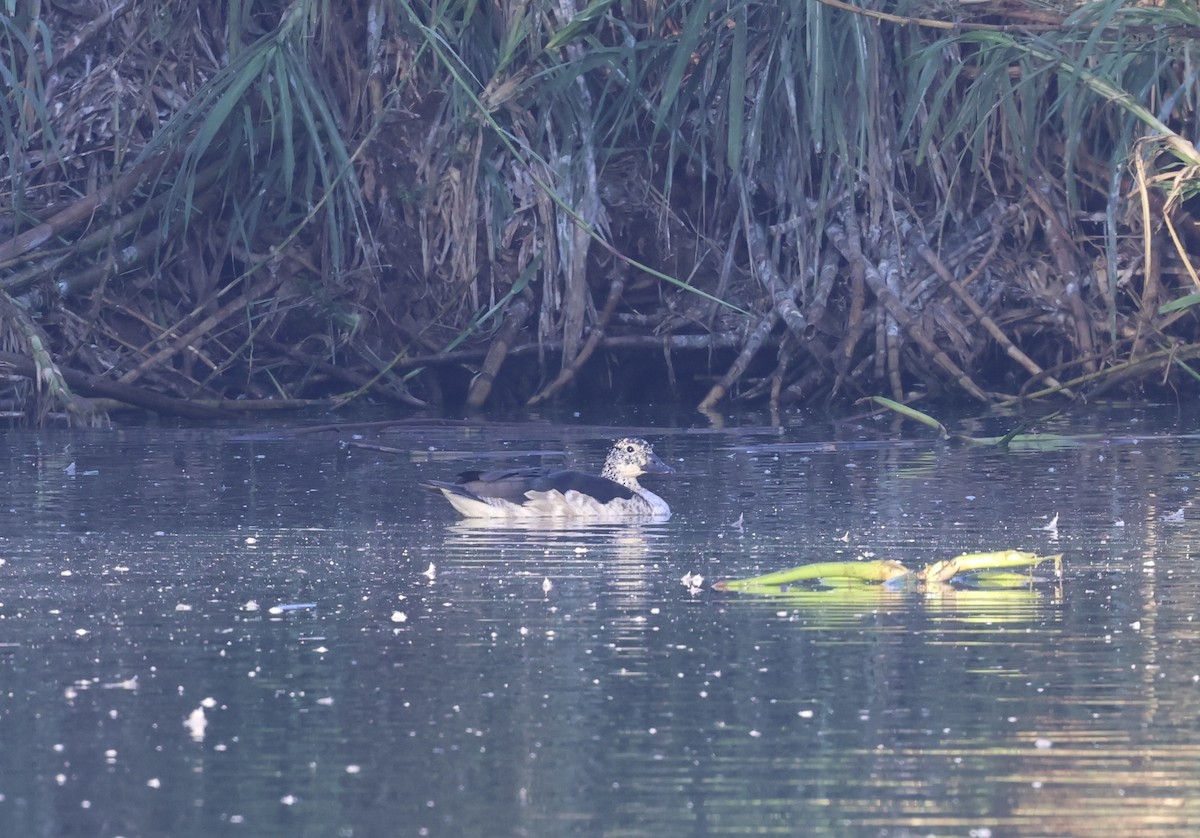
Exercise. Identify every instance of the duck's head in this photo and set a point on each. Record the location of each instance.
(631, 457)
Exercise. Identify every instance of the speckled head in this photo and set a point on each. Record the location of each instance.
(630, 457)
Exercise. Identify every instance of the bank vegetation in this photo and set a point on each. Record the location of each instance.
(208, 207)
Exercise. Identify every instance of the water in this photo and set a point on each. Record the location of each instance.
(203, 635)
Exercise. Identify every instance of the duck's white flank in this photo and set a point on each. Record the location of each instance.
(555, 504)
(535, 493)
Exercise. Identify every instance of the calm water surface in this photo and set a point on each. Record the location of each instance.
(207, 634)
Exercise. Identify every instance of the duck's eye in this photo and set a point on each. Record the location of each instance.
(629, 449)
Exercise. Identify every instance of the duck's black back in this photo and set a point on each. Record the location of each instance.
(512, 484)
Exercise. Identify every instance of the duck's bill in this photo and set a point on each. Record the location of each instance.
(657, 466)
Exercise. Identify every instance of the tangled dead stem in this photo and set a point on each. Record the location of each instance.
(214, 207)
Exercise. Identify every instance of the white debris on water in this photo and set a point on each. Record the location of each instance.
(1052, 527)
(196, 722)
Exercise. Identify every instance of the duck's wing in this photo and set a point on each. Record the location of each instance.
(499, 476)
(503, 484)
(600, 488)
(514, 484)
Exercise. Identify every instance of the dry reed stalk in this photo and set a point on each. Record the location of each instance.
(84, 208)
(981, 316)
(515, 315)
(753, 343)
(259, 291)
(594, 338)
(851, 248)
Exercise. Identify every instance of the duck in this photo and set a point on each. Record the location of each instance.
(614, 494)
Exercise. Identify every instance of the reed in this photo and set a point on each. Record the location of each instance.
(287, 200)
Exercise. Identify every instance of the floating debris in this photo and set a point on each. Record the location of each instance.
(944, 571)
(196, 723)
(1052, 527)
(547, 585)
(890, 571)
(430, 572)
(880, 570)
(292, 606)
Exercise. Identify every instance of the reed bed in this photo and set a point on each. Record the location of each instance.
(214, 207)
